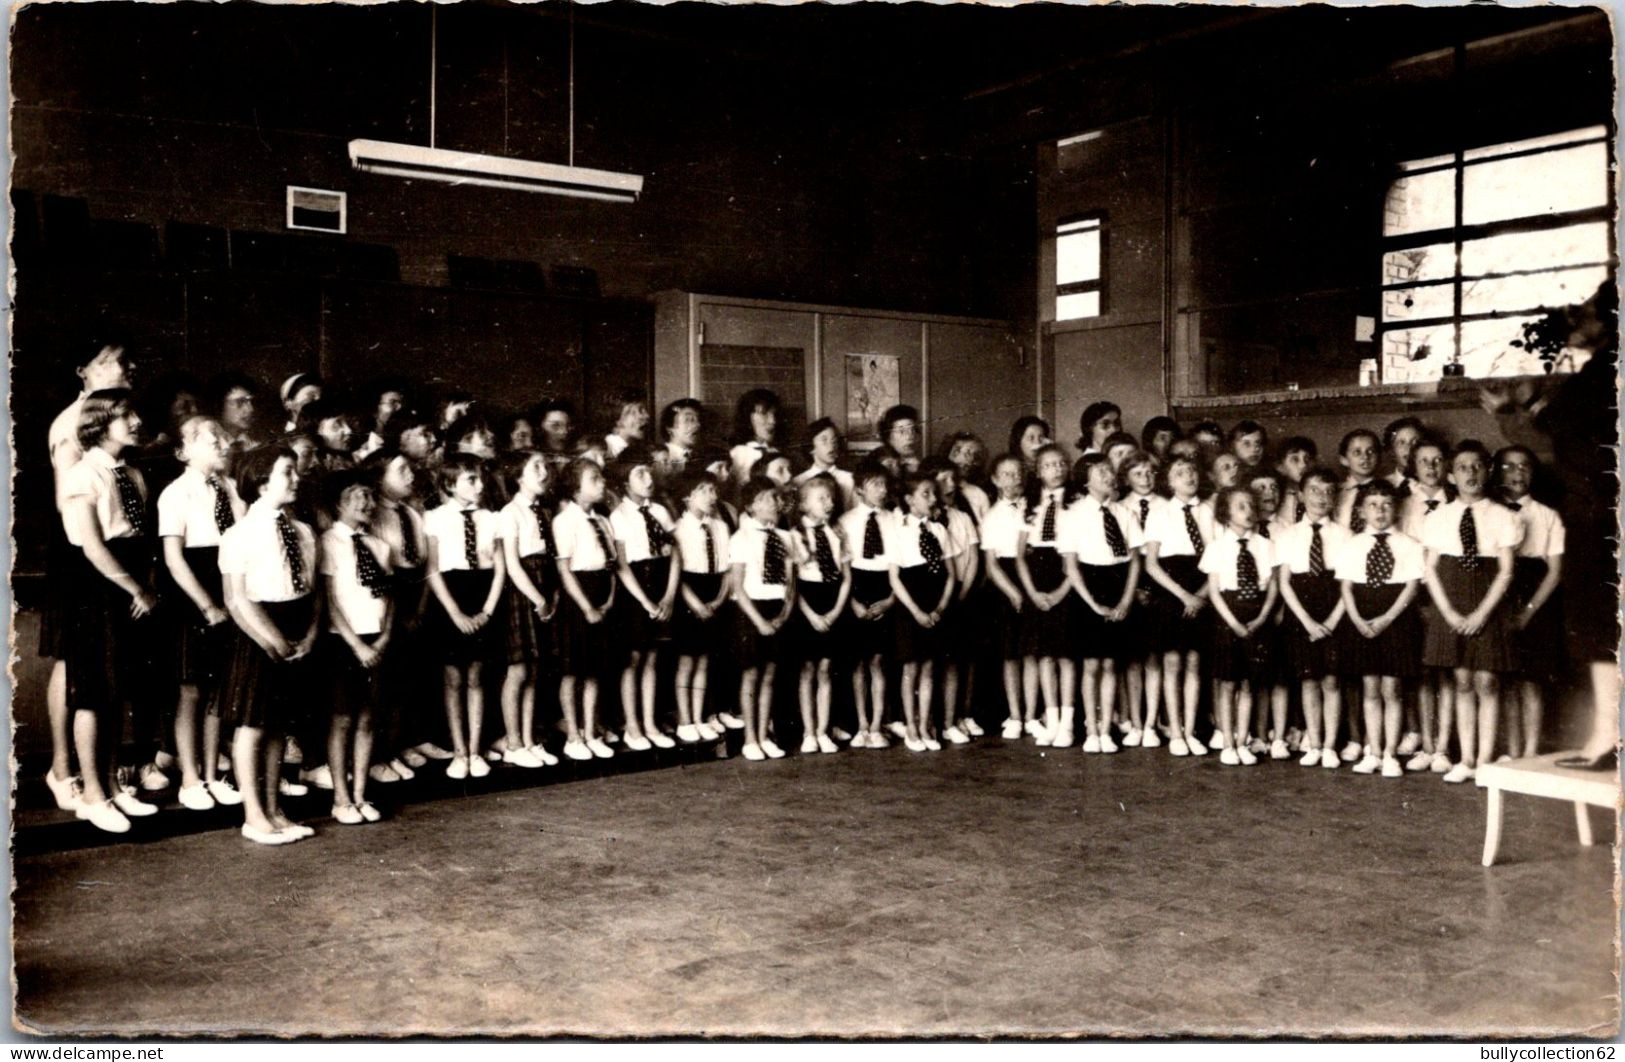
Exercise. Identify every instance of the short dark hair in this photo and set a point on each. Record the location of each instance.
(1379, 488)
(1157, 425)
(668, 416)
(870, 469)
(1471, 446)
(686, 482)
(335, 483)
(1221, 505)
(453, 466)
(1299, 444)
(1247, 427)
(1325, 475)
(889, 419)
(1119, 438)
(1092, 415)
(754, 488)
(1395, 427)
(620, 470)
(1348, 440)
(253, 468)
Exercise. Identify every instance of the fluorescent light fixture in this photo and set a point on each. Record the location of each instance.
(492, 171)
(1081, 138)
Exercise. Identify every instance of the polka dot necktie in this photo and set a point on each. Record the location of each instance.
(471, 540)
(1469, 540)
(871, 537)
(292, 553)
(367, 571)
(602, 536)
(930, 549)
(1145, 512)
(1194, 531)
(1356, 517)
(773, 559)
(544, 527)
(1246, 572)
(710, 549)
(659, 537)
(129, 501)
(1114, 533)
(1047, 533)
(409, 540)
(828, 570)
(1379, 563)
(223, 516)
(1317, 550)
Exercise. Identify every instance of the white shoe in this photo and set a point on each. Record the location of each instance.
(877, 740)
(429, 750)
(382, 773)
(1197, 747)
(1440, 764)
(224, 793)
(577, 750)
(898, 730)
(103, 816)
(320, 777)
(291, 789)
(1229, 758)
(152, 778)
(638, 743)
(1033, 728)
(753, 753)
(347, 815)
(195, 797)
(1011, 730)
(1091, 744)
(1177, 747)
(412, 758)
(65, 791)
(931, 744)
(402, 771)
(1060, 738)
(660, 739)
(1368, 765)
(956, 736)
(731, 721)
(547, 759)
(708, 731)
(913, 744)
(1279, 751)
(1149, 739)
(1131, 740)
(599, 749)
(457, 769)
(1419, 762)
(839, 735)
(268, 837)
(860, 740)
(809, 744)
(1330, 759)
(1352, 751)
(772, 749)
(611, 737)
(688, 733)
(521, 758)
(972, 727)
(1410, 743)
(1247, 757)
(478, 767)
(1460, 773)
(133, 806)
(1391, 768)
(1311, 757)
(1256, 746)
(827, 744)
(1107, 745)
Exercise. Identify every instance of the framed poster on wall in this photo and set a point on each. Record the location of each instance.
(873, 385)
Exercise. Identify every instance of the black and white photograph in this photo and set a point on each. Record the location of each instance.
(827, 521)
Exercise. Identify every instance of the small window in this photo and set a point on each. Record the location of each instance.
(1480, 243)
(1080, 267)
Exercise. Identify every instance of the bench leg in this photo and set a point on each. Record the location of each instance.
(1582, 819)
(1492, 827)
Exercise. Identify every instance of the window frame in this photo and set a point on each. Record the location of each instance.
(1079, 287)
(1461, 233)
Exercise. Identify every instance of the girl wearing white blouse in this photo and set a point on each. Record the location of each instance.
(405, 718)
(1470, 543)
(1306, 554)
(1100, 544)
(1177, 622)
(823, 583)
(644, 544)
(697, 631)
(864, 528)
(762, 559)
(1001, 543)
(526, 529)
(1239, 562)
(193, 512)
(1138, 475)
(922, 579)
(466, 574)
(586, 563)
(1049, 620)
(961, 632)
(1379, 570)
(103, 504)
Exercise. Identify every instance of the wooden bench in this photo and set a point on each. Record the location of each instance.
(1540, 776)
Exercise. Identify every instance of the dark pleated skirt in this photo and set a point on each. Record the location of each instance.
(1052, 633)
(201, 651)
(809, 644)
(1099, 639)
(639, 630)
(1396, 651)
(1305, 659)
(1007, 620)
(913, 643)
(751, 647)
(691, 635)
(106, 652)
(1242, 659)
(530, 638)
(263, 693)
(1491, 648)
(871, 637)
(1542, 655)
(468, 588)
(587, 650)
(353, 689)
(1166, 628)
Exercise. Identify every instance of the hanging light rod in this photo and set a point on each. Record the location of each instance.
(431, 163)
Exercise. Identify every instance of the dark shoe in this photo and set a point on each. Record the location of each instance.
(1608, 761)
